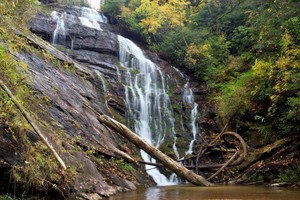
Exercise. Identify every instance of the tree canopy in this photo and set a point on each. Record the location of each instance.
(246, 51)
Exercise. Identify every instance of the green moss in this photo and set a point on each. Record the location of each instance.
(120, 163)
(135, 71)
(252, 177)
(290, 174)
(117, 116)
(39, 169)
(175, 106)
(167, 149)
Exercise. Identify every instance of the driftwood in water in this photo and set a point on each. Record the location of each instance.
(33, 125)
(236, 159)
(154, 152)
(199, 166)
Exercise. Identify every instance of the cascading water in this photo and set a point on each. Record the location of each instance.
(195, 128)
(91, 18)
(188, 99)
(60, 30)
(147, 102)
(95, 4)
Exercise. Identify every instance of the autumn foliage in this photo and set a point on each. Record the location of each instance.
(247, 52)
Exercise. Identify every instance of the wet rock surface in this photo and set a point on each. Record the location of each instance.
(98, 50)
(86, 72)
(71, 86)
(69, 91)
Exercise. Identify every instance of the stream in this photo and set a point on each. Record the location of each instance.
(190, 192)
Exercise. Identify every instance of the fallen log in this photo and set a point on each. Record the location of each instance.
(199, 166)
(154, 152)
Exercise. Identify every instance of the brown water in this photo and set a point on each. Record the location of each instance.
(211, 193)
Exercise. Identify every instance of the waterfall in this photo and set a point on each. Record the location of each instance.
(104, 86)
(188, 96)
(188, 99)
(194, 115)
(147, 102)
(95, 4)
(60, 30)
(91, 18)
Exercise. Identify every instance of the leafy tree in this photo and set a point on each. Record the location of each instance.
(208, 58)
(267, 17)
(17, 9)
(235, 97)
(174, 45)
(247, 51)
(155, 17)
(113, 9)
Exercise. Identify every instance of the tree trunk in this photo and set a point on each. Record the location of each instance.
(154, 152)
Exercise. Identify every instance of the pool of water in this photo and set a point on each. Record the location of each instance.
(188, 192)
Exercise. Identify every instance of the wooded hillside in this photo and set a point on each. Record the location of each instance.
(246, 51)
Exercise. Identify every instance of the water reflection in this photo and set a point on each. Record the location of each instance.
(211, 193)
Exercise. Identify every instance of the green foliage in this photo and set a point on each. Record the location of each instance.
(208, 58)
(290, 174)
(16, 12)
(122, 164)
(246, 51)
(266, 17)
(242, 39)
(112, 8)
(154, 18)
(277, 86)
(39, 168)
(236, 91)
(17, 82)
(130, 20)
(175, 43)
(9, 197)
(75, 2)
(253, 177)
(293, 27)
(263, 135)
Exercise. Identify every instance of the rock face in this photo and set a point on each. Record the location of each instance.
(96, 153)
(68, 93)
(84, 71)
(98, 50)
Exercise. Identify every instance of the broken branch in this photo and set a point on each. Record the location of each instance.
(154, 152)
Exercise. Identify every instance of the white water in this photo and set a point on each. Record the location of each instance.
(195, 128)
(178, 71)
(95, 4)
(101, 77)
(91, 24)
(93, 15)
(104, 85)
(147, 103)
(60, 30)
(188, 98)
(91, 18)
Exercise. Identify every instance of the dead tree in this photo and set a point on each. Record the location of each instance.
(154, 152)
